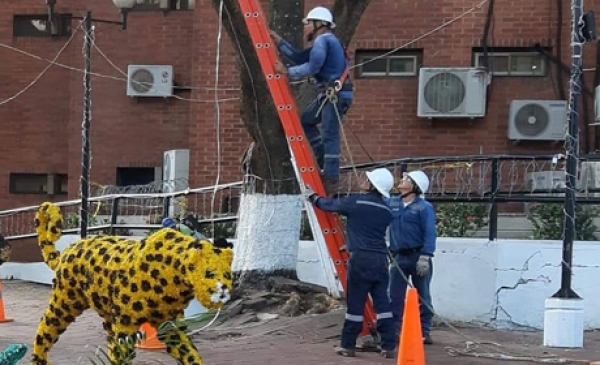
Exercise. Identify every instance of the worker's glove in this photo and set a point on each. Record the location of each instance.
(423, 265)
(309, 194)
(275, 37)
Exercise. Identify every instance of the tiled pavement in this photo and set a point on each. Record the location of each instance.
(294, 341)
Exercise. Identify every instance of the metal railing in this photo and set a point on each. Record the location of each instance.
(489, 179)
(118, 212)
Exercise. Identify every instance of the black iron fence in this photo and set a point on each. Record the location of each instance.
(492, 180)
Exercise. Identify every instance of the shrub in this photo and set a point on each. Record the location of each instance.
(548, 221)
(460, 219)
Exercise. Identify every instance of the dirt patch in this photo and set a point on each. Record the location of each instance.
(281, 297)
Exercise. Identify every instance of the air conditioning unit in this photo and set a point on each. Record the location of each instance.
(545, 181)
(590, 175)
(176, 170)
(537, 120)
(452, 92)
(150, 80)
(176, 173)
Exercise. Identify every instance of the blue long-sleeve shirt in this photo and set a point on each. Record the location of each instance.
(325, 60)
(412, 226)
(368, 219)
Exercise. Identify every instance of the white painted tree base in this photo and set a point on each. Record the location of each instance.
(268, 232)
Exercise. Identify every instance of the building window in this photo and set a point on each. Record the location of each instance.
(380, 64)
(165, 5)
(512, 63)
(127, 176)
(39, 26)
(49, 184)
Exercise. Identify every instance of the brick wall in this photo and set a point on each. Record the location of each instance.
(42, 127)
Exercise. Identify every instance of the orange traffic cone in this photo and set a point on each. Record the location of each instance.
(150, 341)
(411, 351)
(3, 318)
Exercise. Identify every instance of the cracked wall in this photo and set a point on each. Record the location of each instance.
(525, 274)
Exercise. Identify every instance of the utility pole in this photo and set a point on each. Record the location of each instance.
(87, 117)
(124, 7)
(572, 150)
(563, 315)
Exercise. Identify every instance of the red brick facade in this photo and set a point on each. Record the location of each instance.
(41, 128)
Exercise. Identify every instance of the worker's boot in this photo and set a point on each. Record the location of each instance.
(344, 352)
(369, 343)
(388, 354)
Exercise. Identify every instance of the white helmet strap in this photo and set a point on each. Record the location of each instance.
(415, 190)
(311, 35)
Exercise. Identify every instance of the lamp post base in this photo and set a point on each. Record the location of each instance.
(563, 323)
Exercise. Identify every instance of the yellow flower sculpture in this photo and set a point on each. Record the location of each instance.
(129, 283)
(5, 250)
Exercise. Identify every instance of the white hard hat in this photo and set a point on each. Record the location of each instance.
(420, 179)
(382, 179)
(320, 13)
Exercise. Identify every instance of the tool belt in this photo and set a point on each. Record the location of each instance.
(343, 83)
(407, 251)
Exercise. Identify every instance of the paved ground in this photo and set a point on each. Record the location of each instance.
(286, 341)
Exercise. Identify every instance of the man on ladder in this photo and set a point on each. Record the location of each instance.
(327, 63)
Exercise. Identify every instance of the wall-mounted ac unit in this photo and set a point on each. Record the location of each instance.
(537, 120)
(545, 181)
(176, 170)
(590, 175)
(176, 173)
(452, 92)
(150, 80)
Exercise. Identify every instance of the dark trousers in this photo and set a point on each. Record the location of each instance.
(398, 285)
(368, 274)
(325, 142)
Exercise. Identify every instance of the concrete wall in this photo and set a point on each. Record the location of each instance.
(502, 283)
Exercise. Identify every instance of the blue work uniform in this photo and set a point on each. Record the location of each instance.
(326, 62)
(368, 219)
(412, 234)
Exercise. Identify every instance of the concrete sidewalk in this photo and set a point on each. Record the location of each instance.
(294, 341)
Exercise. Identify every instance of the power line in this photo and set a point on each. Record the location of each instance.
(39, 76)
(434, 30)
(52, 62)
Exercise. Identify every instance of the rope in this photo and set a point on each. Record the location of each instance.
(469, 350)
(331, 97)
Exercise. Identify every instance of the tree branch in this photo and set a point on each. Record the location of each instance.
(347, 15)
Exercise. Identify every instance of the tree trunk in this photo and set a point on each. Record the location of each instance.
(261, 250)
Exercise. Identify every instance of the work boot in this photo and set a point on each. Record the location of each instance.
(344, 352)
(427, 339)
(331, 186)
(388, 354)
(369, 343)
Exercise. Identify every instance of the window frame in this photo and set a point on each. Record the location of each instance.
(62, 24)
(159, 7)
(57, 180)
(363, 56)
(477, 55)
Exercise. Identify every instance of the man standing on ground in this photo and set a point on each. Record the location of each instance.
(325, 61)
(412, 243)
(368, 220)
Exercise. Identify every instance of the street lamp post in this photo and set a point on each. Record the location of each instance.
(124, 6)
